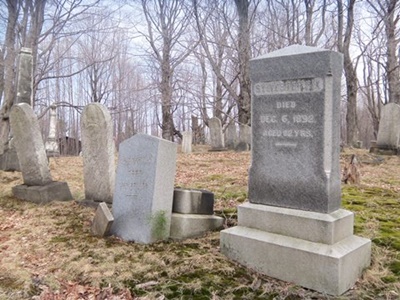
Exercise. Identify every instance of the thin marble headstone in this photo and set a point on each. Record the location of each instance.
(216, 136)
(187, 142)
(29, 145)
(98, 153)
(389, 127)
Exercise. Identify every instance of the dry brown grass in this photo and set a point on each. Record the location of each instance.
(48, 250)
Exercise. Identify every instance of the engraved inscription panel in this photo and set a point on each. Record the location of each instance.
(287, 122)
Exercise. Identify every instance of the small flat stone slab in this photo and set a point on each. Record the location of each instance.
(187, 201)
(55, 190)
(102, 221)
(185, 226)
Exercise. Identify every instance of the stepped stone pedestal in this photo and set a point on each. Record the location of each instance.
(314, 250)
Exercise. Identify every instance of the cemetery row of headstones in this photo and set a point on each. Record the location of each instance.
(144, 182)
(292, 228)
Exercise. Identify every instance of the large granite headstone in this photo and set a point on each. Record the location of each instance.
(389, 127)
(52, 148)
(98, 153)
(144, 189)
(38, 186)
(293, 228)
(216, 136)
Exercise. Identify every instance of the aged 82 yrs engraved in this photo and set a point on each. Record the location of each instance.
(309, 85)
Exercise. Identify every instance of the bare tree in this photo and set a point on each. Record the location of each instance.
(242, 7)
(388, 12)
(349, 69)
(167, 22)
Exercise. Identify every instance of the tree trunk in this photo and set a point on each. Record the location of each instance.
(244, 103)
(392, 62)
(9, 78)
(350, 72)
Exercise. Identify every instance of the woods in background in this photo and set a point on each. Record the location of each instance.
(164, 67)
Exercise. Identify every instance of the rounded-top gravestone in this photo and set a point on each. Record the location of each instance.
(98, 153)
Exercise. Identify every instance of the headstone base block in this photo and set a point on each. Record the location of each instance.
(331, 269)
(185, 226)
(306, 225)
(381, 151)
(190, 201)
(311, 249)
(55, 190)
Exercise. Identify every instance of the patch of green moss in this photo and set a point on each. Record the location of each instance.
(215, 177)
(159, 225)
(389, 279)
(375, 204)
(59, 239)
(395, 267)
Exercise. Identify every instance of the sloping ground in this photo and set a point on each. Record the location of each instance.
(47, 251)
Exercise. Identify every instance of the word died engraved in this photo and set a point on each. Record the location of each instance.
(310, 85)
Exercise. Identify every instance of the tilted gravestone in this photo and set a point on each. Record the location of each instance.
(52, 148)
(293, 228)
(38, 186)
(231, 137)
(187, 142)
(102, 220)
(216, 136)
(98, 153)
(389, 127)
(144, 189)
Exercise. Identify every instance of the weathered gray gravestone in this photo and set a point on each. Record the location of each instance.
(244, 143)
(51, 145)
(187, 142)
(389, 127)
(38, 186)
(102, 220)
(144, 189)
(231, 137)
(216, 136)
(98, 153)
(293, 228)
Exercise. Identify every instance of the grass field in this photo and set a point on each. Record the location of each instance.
(47, 251)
